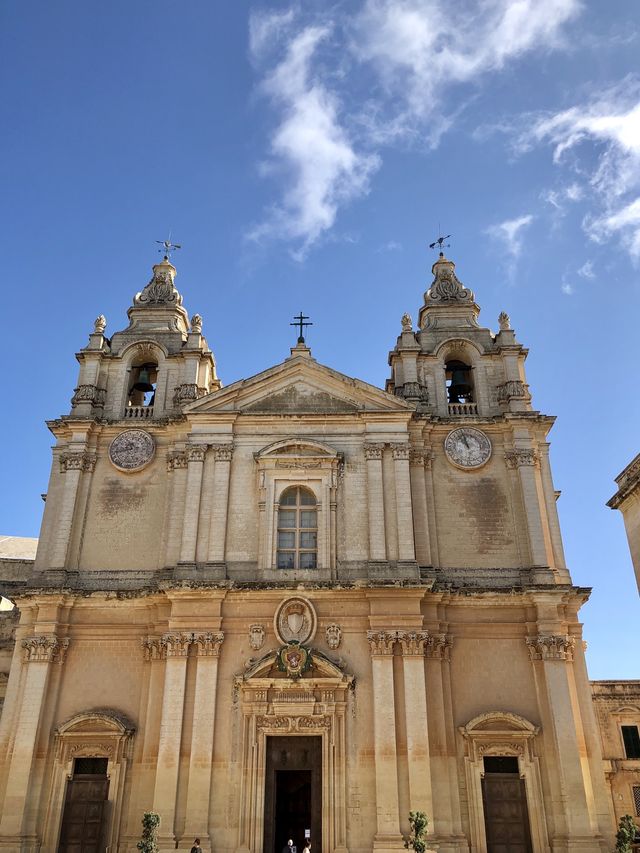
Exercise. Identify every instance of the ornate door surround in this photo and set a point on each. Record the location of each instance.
(273, 704)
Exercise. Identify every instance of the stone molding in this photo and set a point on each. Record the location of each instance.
(333, 635)
(77, 461)
(196, 324)
(153, 649)
(412, 391)
(44, 648)
(435, 646)
(373, 450)
(176, 645)
(196, 452)
(256, 636)
(381, 643)
(551, 647)
(446, 286)
(89, 394)
(521, 457)
(208, 643)
(222, 452)
(420, 457)
(187, 393)
(438, 647)
(412, 642)
(513, 389)
(176, 459)
(293, 723)
(400, 451)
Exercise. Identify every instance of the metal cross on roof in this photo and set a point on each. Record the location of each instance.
(440, 243)
(299, 321)
(168, 247)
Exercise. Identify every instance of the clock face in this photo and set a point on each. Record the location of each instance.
(467, 447)
(132, 450)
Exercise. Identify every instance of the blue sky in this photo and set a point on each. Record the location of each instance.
(305, 155)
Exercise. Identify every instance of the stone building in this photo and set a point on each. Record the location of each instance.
(301, 603)
(627, 500)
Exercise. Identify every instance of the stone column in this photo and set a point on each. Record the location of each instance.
(39, 653)
(552, 512)
(375, 494)
(526, 461)
(415, 704)
(218, 529)
(387, 835)
(176, 648)
(195, 458)
(72, 465)
(404, 516)
(177, 468)
(576, 828)
(419, 503)
(204, 718)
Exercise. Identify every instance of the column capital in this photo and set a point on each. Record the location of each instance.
(222, 452)
(438, 646)
(44, 648)
(196, 452)
(551, 647)
(381, 643)
(400, 450)
(208, 643)
(373, 450)
(412, 642)
(520, 457)
(77, 461)
(177, 645)
(176, 459)
(153, 648)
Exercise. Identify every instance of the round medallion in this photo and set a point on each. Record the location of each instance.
(467, 447)
(132, 450)
(295, 621)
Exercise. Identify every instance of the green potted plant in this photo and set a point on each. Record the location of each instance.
(150, 823)
(625, 834)
(417, 840)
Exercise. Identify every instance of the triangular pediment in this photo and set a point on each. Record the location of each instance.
(299, 385)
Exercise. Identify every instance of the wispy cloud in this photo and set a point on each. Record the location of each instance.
(390, 246)
(586, 270)
(334, 118)
(566, 287)
(510, 233)
(321, 166)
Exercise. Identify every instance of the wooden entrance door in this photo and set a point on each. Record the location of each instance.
(506, 817)
(84, 812)
(293, 793)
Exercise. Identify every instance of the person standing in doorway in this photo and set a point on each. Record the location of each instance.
(307, 846)
(196, 846)
(290, 847)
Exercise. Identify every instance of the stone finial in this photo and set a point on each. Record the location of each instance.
(407, 323)
(99, 324)
(505, 321)
(196, 324)
(446, 286)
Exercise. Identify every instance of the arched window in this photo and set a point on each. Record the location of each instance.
(297, 529)
(459, 382)
(143, 385)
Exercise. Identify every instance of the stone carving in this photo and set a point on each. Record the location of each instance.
(298, 463)
(222, 452)
(551, 647)
(467, 447)
(412, 391)
(99, 324)
(256, 636)
(187, 393)
(153, 648)
(381, 642)
(293, 659)
(446, 287)
(293, 724)
(438, 646)
(373, 451)
(412, 642)
(521, 456)
(209, 643)
(176, 645)
(295, 620)
(407, 323)
(44, 648)
(334, 636)
(513, 748)
(77, 461)
(176, 459)
(513, 389)
(146, 351)
(504, 321)
(132, 450)
(160, 289)
(400, 451)
(196, 324)
(89, 394)
(196, 452)
(91, 748)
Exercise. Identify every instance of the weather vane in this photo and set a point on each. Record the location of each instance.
(440, 243)
(168, 247)
(299, 321)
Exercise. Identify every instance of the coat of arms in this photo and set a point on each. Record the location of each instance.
(295, 621)
(294, 659)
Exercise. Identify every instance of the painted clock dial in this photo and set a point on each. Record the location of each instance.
(132, 450)
(467, 447)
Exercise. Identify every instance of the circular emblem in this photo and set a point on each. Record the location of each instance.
(295, 621)
(132, 450)
(467, 447)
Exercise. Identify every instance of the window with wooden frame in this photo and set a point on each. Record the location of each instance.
(297, 529)
(631, 740)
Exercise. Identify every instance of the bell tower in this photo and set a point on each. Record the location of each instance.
(490, 501)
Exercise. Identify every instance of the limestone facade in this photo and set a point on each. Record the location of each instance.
(627, 500)
(300, 558)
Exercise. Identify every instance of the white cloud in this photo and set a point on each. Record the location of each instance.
(586, 270)
(625, 222)
(566, 287)
(390, 246)
(510, 233)
(321, 165)
(266, 29)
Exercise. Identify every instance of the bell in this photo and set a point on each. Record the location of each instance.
(143, 382)
(460, 386)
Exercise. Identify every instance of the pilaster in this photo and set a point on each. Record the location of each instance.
(404, 513)
(195, 461)
(527, 463)
(375, 498)
(218, 530)
(73, 463)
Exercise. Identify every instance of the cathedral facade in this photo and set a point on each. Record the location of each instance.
(301, 606)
